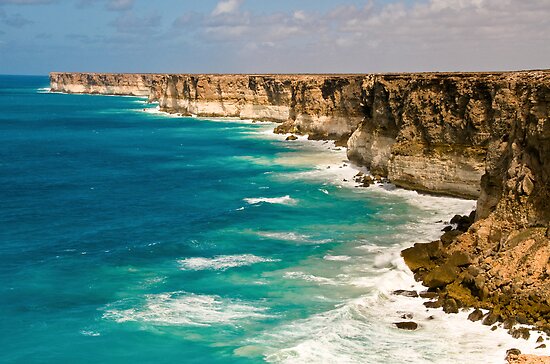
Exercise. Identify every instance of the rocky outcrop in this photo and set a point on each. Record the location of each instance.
(508, 246)
(431, 132)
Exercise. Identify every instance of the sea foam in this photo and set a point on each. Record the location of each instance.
(284, 200)
(184, 309)
(222, 262)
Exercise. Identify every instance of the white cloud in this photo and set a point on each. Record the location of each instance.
(226, 7)
(120, 5)
(423, 36)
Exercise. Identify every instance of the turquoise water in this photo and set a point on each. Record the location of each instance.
(128, 236)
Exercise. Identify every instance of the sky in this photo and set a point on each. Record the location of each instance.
(273, 36)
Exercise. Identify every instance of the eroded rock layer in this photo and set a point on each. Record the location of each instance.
(506, 251)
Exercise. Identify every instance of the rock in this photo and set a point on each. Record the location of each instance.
(521, 332)
(449, 236)
(542, 346)
(490, 319)
(513, 352)
(450, 306)
(527, 186)
(447, 228)
(456, 219)
(441, 276)
(291, 137)
(406, 325)
(509, 323)
(428, 295)
(401, 292)
(540, 339)
(432, 304)
(421, 255)
(459, 259)
(464, 223)
(407, 316)
(494, 328)
(476, 315)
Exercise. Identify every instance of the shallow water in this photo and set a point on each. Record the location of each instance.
(129, 236)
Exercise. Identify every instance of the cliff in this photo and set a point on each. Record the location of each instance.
(482, 135)
(428, 132)
(106, 83)
(502, 261)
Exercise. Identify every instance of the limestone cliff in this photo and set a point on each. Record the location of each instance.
(428, 132)
(105, 83)
(502, 262)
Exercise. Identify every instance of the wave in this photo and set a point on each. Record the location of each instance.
(362, 330)
(337, 258)
(222, 262)
(185, 309)
(284, 200)
(292, 236)
(310, 278)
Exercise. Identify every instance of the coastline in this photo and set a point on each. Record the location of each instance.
(491, 199)
(342, 175)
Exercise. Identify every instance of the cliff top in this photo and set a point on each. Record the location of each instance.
(392, 74)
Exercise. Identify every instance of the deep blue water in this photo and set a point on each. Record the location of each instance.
(132, 237)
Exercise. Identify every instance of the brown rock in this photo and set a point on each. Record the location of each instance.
(441, 276)
(521, 332)
(490, 319)
(401, 292)
(421, 255)
(428, 295)
(406, 325)
(450, 306)
(449, 236)
(459, 259)
(291, 137)
(476, 315)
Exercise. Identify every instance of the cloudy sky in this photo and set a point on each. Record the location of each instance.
(262, 36)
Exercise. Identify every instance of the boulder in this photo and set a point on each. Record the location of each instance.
(520, 333)
(401, 292)
(291, 137)
(459, 259)
(421, 255)
(450, 306)
(476, 315)
(449, 236)
(428, 295)
(490, 319)
(441, 276)
(406, 325)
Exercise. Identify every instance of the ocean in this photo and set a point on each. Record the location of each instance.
(131, 236)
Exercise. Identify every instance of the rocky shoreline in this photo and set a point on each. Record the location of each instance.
(475, 135)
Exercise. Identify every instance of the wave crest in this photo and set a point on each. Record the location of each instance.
(284, 200)
(222, 262)
(185, 309)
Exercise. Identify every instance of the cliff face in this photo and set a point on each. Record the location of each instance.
(503, 259)
(106, 84)
(428, 132)
(432, 131)
(322, 106)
